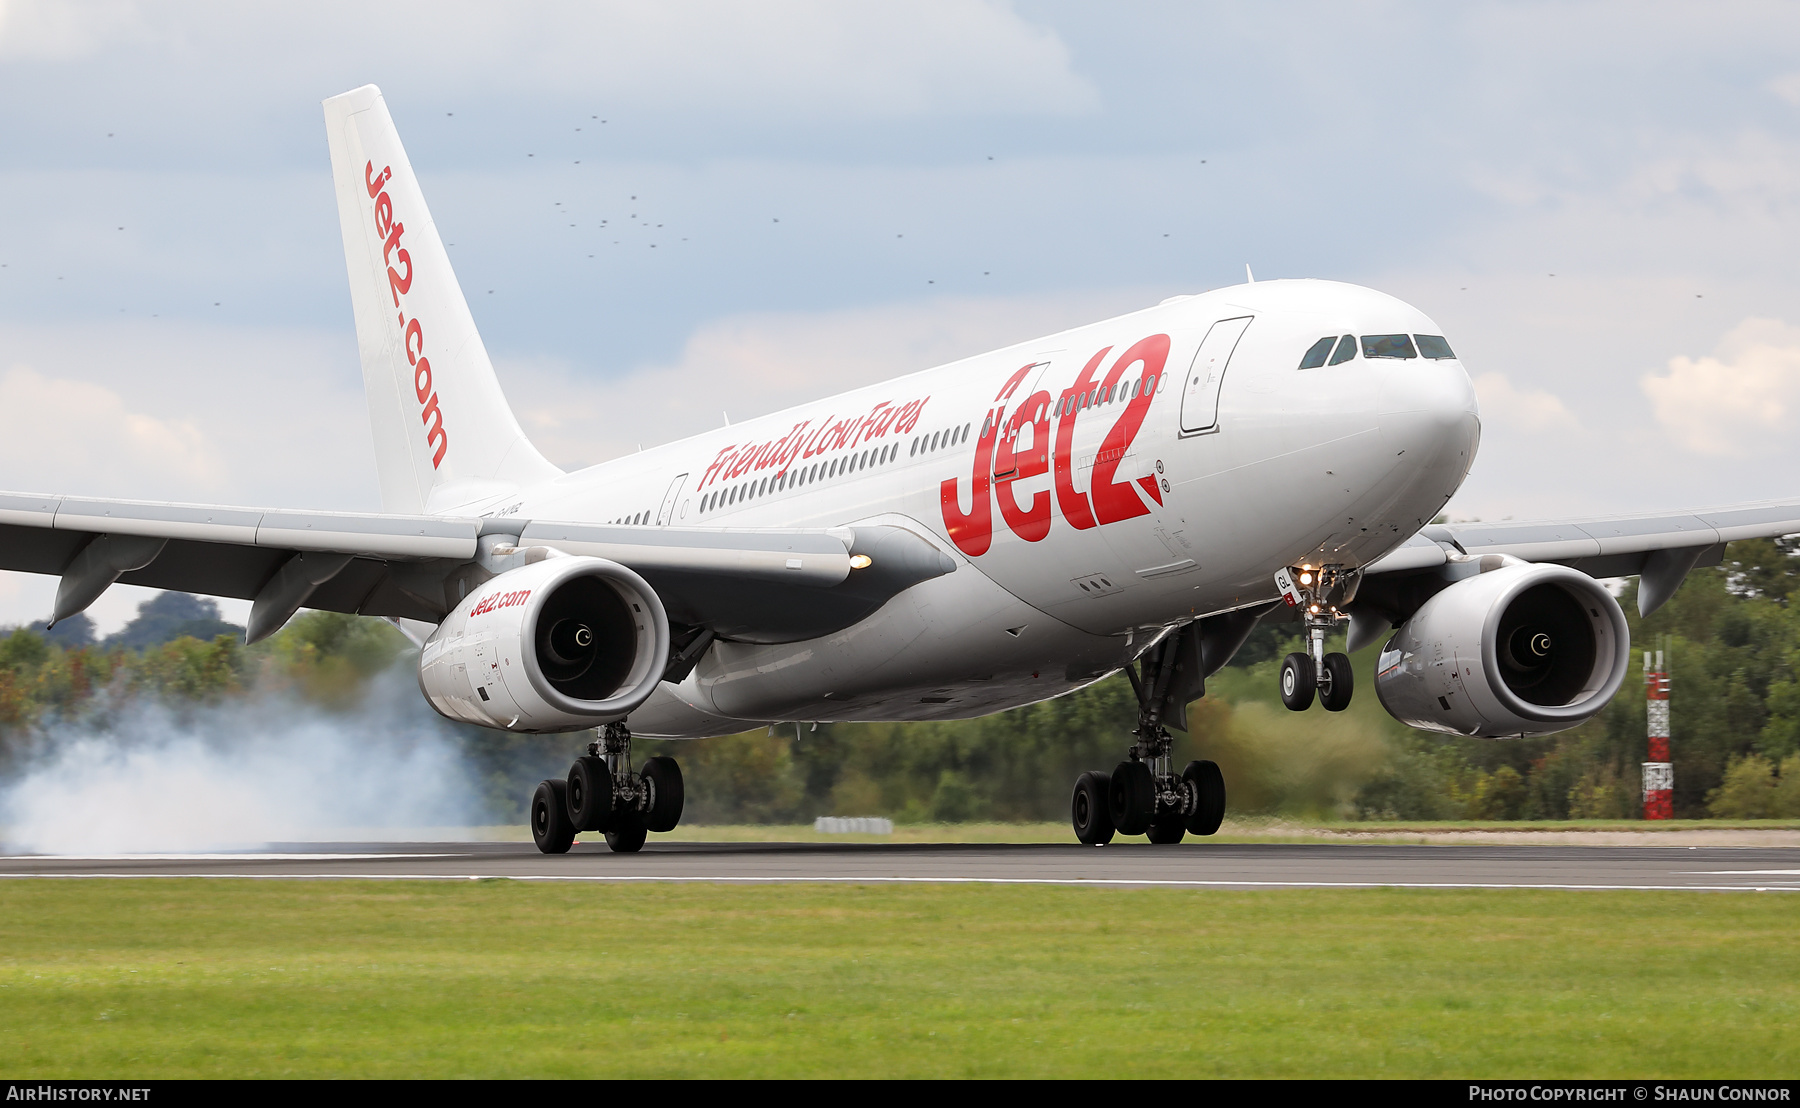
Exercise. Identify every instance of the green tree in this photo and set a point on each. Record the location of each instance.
(1756, 788)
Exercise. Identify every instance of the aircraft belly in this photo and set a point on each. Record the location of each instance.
(952, 647)
(670, 715)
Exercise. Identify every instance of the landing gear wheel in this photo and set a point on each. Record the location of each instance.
(1168, 829)
(1088, 809)
(1131, 798)
(1209, 796)
(1335, 694)
(590, 792)
(1297, 682)
(662, 777)
(551, 829)
(627, 834)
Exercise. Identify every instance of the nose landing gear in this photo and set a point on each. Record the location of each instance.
(1318, 593)
(603, 794)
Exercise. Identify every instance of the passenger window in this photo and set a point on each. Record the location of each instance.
(1318, 352)
(1388, 346)
(1346, 349)
(1434, 346)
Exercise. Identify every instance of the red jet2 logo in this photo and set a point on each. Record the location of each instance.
(388, 230)
(999, 464)
(499, 600)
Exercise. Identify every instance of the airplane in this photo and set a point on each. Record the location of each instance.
(1133, 495)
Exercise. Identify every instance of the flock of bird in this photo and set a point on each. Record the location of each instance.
(637, 229)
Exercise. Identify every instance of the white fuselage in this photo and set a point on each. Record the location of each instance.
(1058, 475)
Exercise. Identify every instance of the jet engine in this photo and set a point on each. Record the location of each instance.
(1518, 650)
(560, 644)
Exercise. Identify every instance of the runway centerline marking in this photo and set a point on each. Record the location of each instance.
(1742, 872)
(769, 880)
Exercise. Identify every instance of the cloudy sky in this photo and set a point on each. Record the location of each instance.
(1599, 203)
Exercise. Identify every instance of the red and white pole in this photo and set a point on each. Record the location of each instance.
(1659, 773)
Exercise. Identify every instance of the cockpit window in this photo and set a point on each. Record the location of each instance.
(1345, 351)
(1434, 346)
(1388, 346)
(1315, 354)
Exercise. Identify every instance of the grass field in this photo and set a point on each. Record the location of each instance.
(174, 978)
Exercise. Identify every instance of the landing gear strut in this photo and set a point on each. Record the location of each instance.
(1317, 592)
(603, 794)
(1143, 795)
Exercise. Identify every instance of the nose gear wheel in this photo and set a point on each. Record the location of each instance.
(1319, 592)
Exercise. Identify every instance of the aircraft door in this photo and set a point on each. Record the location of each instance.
(1200, 393)
(1010, 401)
(672, 507)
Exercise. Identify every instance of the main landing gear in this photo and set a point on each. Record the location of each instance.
(1142, 795)
(1317, 592)
(603, 794)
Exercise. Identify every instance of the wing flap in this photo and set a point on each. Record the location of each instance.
(156, 520)
(379, 536)
(416, 567)
(817, 558)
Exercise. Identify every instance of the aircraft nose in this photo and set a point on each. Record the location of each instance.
(1429, 415)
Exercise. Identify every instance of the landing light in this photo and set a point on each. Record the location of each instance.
(1306, 578)
(861, 561)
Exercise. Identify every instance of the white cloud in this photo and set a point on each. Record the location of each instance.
(822, 57)
(1532, 411)
(1786, 86)
(53, 31)
(1751, 170)
(1738, 402)
(815, 58)
(242, 415)
(83, 427)
(753, 364)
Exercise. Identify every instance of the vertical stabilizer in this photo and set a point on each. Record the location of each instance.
(444, 436)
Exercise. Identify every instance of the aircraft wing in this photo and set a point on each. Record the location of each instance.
(757, 585)
(1661, 547)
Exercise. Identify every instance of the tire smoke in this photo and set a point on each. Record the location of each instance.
(142, 777)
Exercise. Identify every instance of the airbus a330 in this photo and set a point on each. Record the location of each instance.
(1131, 495)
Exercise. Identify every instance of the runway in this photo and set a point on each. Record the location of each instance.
(1122, 865)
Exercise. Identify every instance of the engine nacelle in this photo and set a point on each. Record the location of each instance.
(559, 645)
(1519, 650)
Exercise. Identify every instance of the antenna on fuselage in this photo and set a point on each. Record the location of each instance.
(1249, 277)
